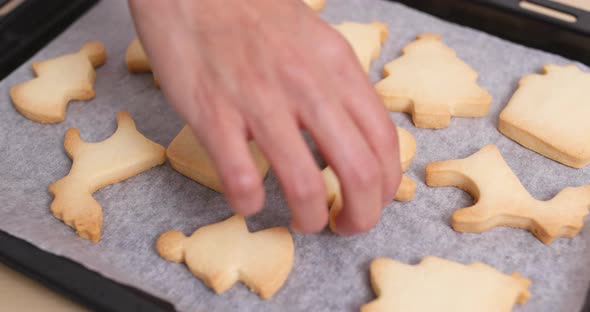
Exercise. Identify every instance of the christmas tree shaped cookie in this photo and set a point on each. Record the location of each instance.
(550, 114)
(445, 286)
(223, 253)
(431, 83)
(501, 200)
(366, 40)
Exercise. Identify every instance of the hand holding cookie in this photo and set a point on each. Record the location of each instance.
(263, 70)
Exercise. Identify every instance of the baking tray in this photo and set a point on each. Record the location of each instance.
(99, 293)
(508, 20)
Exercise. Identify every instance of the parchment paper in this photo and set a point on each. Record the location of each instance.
(330, 272)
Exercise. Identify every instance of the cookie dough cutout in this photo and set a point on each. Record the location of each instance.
(431, 83)
(441, 285)
(405, 192)
(189, 157)
(224, 253)
(501, 200)
(550, 115)
(59, 81)
(95, 165)
(366, 40)
(316, 5)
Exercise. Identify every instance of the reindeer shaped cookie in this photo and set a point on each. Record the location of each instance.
(59, 81)
(96, 165)
(501, 200)
(223, 253)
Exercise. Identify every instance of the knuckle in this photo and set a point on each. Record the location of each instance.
(366, 223)
(365, 174)
(241, 184)
(306, 190)
(336, 47)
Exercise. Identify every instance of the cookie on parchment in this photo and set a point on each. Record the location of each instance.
(501, 200)
(189, 157)
(59, 81)
(95, 165)
(550, 114)
(224, 253)
(365, 39)
(430, 82)
(444, 286)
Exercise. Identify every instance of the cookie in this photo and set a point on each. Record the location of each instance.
(95, 165)
(59, 81)
(136, 59)
(501, 200)
(441, 285)
(405, 192)
(549, 114)
(187, 156)
(316, 5)
(432, 84)
(366, 40)
(224, 253)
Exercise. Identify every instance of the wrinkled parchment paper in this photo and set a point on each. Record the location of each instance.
(330, 272)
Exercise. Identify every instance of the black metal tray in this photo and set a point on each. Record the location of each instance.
(36, 22)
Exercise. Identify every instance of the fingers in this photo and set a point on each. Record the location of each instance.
(224, 138)
(300, 178)
(366, 166)
(347, 152)
(369, 114)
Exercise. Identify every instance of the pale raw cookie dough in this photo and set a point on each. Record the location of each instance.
(431, 83)
(550, 114)
(405, 192)
(501, 200)
(316, 5)
(59, 81)
(366, 40)
(95, 165)
(224, 253)
(189, 157)
(442, 285)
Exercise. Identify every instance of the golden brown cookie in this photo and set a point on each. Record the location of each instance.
(444, 286)
(95, 165)
(189, 157)
(501, 200)
(224, 253)
(59, 81)
(550, 114)
(431, 83)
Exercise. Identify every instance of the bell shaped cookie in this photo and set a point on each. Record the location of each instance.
(224, 253)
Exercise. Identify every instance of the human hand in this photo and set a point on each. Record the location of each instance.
(263, 70)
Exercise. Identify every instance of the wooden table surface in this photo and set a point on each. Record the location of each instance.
(19, 293)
